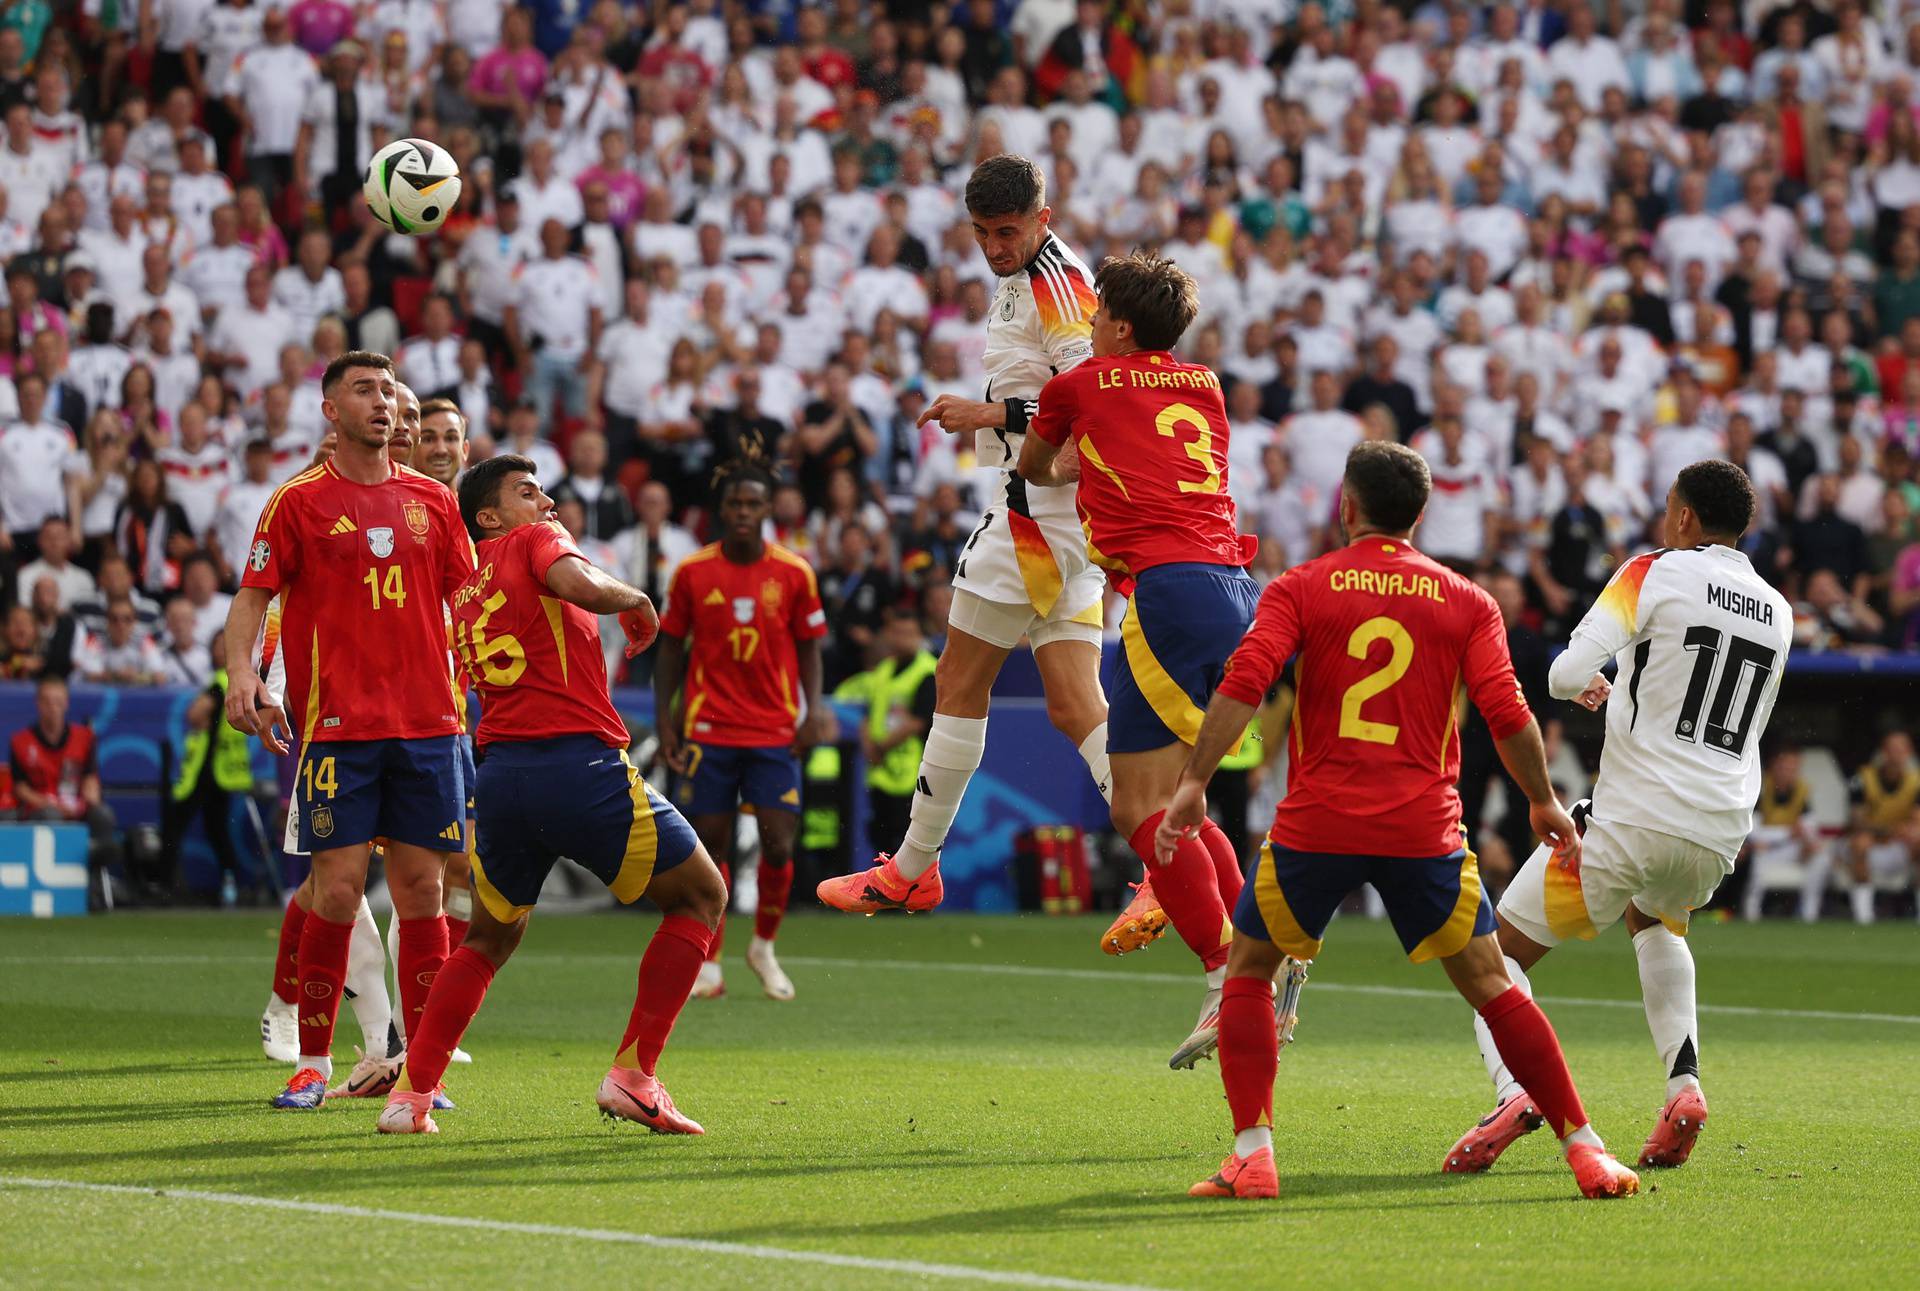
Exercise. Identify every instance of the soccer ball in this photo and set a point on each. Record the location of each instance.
(412, 186)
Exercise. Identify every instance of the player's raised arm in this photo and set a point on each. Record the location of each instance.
(1610, 625)
(572, 579)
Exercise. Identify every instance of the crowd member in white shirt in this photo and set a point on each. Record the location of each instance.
(30, 173)
(123, 655)
(554, 323)
(176, 373)
(1684, 440)
(241, 503)
(544, 194)
(1460, 526)
(117, 252)
(217, 273)
(1319, 438)
(199, 469)
(247, 340)
(185, 660)
(488, 261)
(1693, 233)
(326, 165)
(35, 456)
(430, 362)
(56, 562)
(273, 83)
(310, 288)
(197, 190)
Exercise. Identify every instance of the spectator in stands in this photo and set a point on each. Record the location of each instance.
(855, 592)
(58, 631)
(1884, 845)
(56, 773)
(72, 583)
(834, 432)
(184, 656)
(607, 510)
(150, 531)
(121, 656)
(21, 658)
(35, 455)
(553, 322)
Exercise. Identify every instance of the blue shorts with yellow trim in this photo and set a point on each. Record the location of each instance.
(1182, 624)
(350, 792)
(570, 796)
(721, 777)
(1436, 903)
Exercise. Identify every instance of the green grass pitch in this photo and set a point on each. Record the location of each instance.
(939, 1095)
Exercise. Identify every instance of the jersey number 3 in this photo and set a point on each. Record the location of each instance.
(1743, 658)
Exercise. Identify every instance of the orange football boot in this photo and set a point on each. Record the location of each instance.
(1243, 1177)
(1671, 1142)
(1482, 1145)
(1139, 925)
(627, 1094)
(1598, 1174)
(883, 888)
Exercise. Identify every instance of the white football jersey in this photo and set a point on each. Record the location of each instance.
(1039, 324)
(1702, 643)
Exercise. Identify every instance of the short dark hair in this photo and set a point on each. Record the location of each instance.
(352, 359)
(1389, 483)
(480, 486)
(1006, 185)
(440, 403)
(1720, 494)
(1157, 297)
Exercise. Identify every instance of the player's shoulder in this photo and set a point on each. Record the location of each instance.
(1061, 280)
(700, 564)
(310, 483)
(791, 561)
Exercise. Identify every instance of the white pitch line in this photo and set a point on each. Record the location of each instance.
(1070, 974)
(740, 1250)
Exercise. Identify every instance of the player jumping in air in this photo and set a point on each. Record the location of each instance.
(1702, 641)
(1386, 640)
(1024, 572)
(363, 554)
(742, 629)
(1151, 434)
(555, 781)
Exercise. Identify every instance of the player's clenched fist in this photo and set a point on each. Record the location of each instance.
(959, 416)
(1595, 694)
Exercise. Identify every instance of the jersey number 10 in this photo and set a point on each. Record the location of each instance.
(1742, 659)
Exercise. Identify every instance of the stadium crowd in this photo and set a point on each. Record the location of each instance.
(1563, 252)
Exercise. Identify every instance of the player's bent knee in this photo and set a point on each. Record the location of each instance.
(692, 889)
(1253, 957)
(495, 941)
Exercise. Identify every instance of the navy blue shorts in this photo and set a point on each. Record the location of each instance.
(350, 792)
(1181, 626)
(1435, 903)
(719, 778)
(569, 796)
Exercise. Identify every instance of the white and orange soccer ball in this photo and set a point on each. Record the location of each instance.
(412, 186)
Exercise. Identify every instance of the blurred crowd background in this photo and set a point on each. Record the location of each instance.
(1562, 249)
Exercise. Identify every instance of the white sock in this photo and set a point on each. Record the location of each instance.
(1093, 751)
(397, 1014)
(1217, 978)
(1666, 982)
(1862, 898)
(1248, 1142)
(323, 1065)
(1504, 1085)
(1582, 1136)
(955, 746)
(367, 980)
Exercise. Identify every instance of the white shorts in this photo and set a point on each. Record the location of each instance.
(1665, 876)
(1025, 571)
(1889, 862)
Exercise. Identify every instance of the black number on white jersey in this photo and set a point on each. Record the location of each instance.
(1735, 659)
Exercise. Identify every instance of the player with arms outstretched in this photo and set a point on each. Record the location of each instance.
(1386, 640)
(555, 781)
(742, 631)
(363, 555)
(1702, 642)
(1151, 436)
(1024, 572)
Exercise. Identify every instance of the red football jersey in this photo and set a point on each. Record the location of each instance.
(743, 624)
(55, 771)
(1387, 639)
(364, 573)
(1152, 435)
(534, 658)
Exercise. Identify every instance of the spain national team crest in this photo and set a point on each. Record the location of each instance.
(380, 542)
(743, 609)
(770, 598)
(415, 514)
(320, 820)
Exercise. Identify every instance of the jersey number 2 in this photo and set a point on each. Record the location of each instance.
(1743, 658)
(1352, 725)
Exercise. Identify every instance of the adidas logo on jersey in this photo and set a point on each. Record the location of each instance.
(714, 598)
(342, 525)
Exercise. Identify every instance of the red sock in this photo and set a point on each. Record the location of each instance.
(323, 971)
(1531, 1051)
(1249, 1050)
(286, 973)
(667, 971)
(1226, 865)
(458, 988)
(423, 949)
(1189, 892)
(720, 929)
(776, 882)
(456, 932)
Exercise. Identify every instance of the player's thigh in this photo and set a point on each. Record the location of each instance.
(423, 801)
(511, 857)
(980, 635)
(1664, 876)
(1478, 971)
(693, 888)
(1436, 904)
(339, 879)
(1070, 675)
(1143, 782)
(1550, 903)
(1181, 625)
(619, 828)
(1291, 897)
